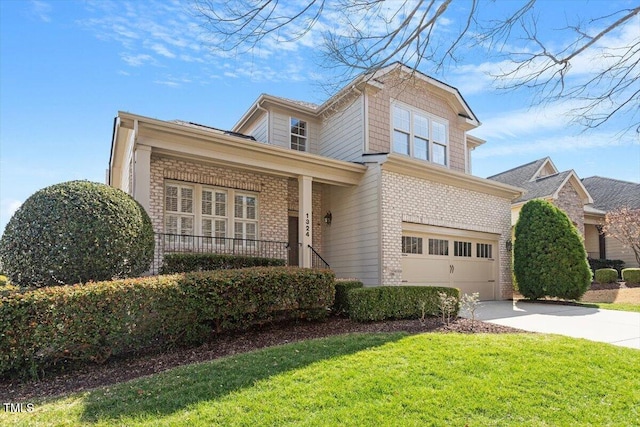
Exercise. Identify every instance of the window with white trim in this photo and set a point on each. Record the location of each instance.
(483, 250)
(411, 245)
(245, 217)
(462, 249)
(215, 213)
(419, 135)
(298, 134)
(178, 206)
(438, 247)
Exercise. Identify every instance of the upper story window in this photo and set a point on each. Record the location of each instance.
(419, 135)
(298, 134)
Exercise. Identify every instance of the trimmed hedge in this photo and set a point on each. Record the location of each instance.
(184, 263)
(396, 302)
(95, 321)
(631, 275)
(606, 275)
(341, 304)
(597, 264)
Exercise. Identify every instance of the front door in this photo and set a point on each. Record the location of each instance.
(293, 241)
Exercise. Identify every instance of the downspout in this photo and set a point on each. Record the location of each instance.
(261, 108)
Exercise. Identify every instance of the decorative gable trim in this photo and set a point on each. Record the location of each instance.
(576, 183)
(546, 163)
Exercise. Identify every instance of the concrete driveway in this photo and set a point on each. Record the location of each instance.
(614, 327)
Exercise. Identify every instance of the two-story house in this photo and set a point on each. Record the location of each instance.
(376, 181)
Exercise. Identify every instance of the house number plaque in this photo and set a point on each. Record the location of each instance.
(307, 225)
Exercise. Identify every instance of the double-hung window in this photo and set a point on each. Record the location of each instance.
(179, 212)
(246, 218)
(219, 215)
(419, 135)
(298, 134)
(214, 214)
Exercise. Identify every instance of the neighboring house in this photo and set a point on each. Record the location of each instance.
(608, 194)
(376, 180)
(584, 201)
(541, 180)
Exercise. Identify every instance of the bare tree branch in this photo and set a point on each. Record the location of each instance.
(363, 36)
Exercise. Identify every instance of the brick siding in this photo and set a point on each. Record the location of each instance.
(406, 198)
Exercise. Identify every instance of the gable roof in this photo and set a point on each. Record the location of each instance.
(609, 194)
(453, 96)
(541, 179)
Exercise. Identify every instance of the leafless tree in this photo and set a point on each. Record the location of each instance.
(623, 224)
(363, 36)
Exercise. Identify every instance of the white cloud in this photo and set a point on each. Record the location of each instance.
(162, 50)
(41, 10)
(7, 208)
(137, 60)
(549, 144)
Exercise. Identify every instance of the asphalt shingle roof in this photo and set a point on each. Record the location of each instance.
(519, 175)
(609, 194)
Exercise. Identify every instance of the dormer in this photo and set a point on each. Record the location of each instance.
(282, 122)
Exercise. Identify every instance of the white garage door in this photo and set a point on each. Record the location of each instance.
(463, 260)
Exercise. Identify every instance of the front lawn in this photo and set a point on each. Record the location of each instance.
(614, 306)
(376, 380)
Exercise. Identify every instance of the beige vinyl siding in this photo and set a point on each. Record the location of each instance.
(592, 240)
(342, 134)
(352, 241)
(615, 250)
(281, 130)
(260, 129)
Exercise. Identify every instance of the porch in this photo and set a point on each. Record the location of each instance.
(166, 244)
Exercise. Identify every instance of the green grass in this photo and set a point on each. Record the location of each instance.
(376, 380)
(620, 306)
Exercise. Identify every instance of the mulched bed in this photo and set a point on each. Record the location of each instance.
(114, 371)
(617, 285)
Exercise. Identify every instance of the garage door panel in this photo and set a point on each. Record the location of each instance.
(422, 270)
(468, 265)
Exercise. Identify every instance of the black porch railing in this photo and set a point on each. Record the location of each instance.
(316, 260)
(182, 243)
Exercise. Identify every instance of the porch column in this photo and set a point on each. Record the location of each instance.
(305, 222)
(142, 175)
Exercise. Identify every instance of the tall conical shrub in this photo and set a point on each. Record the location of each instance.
(549, 255)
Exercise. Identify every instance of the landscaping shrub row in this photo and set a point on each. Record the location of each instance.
(631, 275)
(183, 263)
(396, 302)
(95, 321)
(341, 303)
(610, 275)
(597, 264)
(606, 275)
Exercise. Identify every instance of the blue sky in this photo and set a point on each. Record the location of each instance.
(68, 67)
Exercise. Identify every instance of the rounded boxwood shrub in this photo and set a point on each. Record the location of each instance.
(631, 276)
(549, 256)
(76, 232)
(606, 275)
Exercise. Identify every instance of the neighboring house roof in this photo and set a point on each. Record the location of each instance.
(609, 194)
(519, 175)
(541, 179)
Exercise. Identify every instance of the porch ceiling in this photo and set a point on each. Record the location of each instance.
(209, 147)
